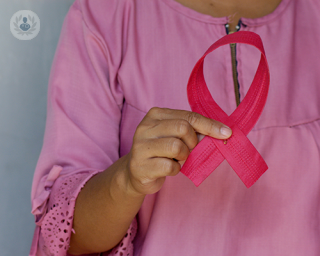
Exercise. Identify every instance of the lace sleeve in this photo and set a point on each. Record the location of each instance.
(56, 226)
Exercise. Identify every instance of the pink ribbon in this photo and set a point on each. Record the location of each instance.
(237, 150)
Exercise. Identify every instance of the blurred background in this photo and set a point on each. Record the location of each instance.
(24, 73)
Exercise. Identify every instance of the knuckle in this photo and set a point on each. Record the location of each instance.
(183, 127)
(167, 165)
(193, 118)
(170, 167)
(144, 181)
(137, 167)
(175, 147)
(142, 129)
(153, 112)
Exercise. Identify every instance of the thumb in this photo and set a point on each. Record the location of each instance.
(219, 130)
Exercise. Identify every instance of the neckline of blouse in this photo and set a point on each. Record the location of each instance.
(224, 20)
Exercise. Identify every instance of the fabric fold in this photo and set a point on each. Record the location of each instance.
(40, 203)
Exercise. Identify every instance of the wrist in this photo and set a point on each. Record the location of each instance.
(122, 180)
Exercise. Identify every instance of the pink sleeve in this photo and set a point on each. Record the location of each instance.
(83, 116)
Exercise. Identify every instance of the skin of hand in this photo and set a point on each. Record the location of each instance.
(110, 200)
(162, 142)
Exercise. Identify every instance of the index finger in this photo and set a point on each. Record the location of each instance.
(200, 123)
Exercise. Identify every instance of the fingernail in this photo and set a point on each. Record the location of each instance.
(225, 131)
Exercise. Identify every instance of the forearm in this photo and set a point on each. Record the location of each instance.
(104, 210)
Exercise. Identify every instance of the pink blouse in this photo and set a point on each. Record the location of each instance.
(118, 58)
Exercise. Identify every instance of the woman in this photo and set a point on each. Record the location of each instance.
(119, 127)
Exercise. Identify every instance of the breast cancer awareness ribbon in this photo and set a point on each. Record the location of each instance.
(237, 150)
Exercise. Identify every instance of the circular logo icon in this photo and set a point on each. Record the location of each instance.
(25, 25)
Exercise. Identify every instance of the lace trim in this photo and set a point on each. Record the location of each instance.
(56, 227)
(125, 247)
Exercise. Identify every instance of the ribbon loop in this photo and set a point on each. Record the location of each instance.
(238, 151)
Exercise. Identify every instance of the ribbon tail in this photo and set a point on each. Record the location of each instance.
(251, 170)
(243, 157)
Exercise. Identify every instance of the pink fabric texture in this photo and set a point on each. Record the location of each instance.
(116, 59)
